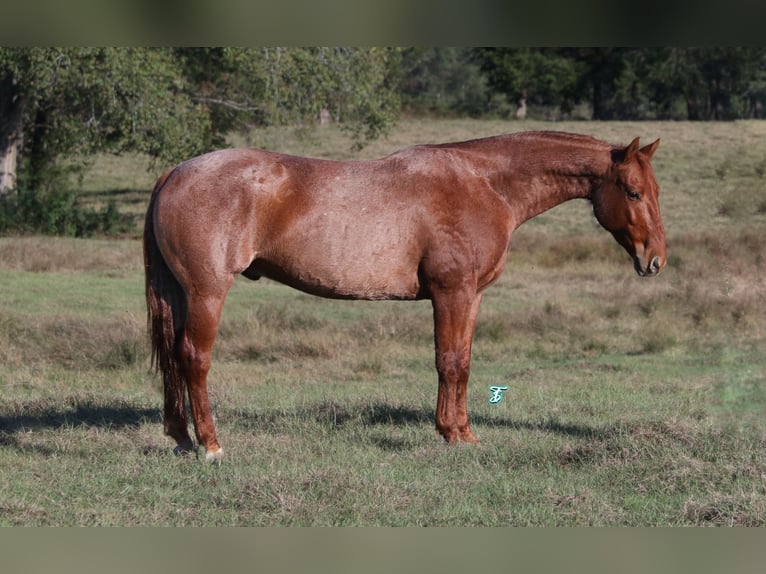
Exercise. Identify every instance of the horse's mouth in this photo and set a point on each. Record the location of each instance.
(652, 269)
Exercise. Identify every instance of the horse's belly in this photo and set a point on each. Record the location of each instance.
(338, 281)
(349, 269)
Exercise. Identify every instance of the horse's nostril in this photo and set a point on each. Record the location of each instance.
(655, 264)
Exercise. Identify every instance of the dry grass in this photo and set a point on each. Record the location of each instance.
(41, 254)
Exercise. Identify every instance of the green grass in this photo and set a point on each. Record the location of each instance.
(630, 402)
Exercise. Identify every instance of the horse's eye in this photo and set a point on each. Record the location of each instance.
(634, 195)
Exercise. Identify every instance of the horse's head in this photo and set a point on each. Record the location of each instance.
(627, 205)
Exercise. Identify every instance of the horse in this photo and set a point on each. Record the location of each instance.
(426, 222)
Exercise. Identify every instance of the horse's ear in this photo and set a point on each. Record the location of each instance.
(648, 151)
(631, 150)
(624, 155)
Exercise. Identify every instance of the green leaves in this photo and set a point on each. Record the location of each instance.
(88, 100)
(242, 87)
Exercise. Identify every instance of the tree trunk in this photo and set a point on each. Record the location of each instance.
(11, 132)
(693, 112)
(597, 111)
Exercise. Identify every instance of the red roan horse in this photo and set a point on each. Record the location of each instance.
(427, 222)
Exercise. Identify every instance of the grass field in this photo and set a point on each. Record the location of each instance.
(630, 402)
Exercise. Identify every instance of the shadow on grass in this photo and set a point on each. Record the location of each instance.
(71, 412)
(338, 416)
(74, 412)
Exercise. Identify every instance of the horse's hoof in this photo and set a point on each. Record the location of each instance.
(469, 439)
(214, 456)
(456, 436)
(183, 450)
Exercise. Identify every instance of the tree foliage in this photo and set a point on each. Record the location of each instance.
(443, 81)
(242, 87)
(710, 83)
(714, 83)
(541, 76)
(79, 101)
(69, 103)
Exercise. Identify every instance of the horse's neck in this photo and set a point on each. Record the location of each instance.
(540, 171)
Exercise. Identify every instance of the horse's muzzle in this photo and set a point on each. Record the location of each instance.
(655, 266)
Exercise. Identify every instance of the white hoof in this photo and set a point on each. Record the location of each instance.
(214, 456)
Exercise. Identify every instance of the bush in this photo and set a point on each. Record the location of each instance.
(55, 213)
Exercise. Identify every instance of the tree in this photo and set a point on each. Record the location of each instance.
(755, 94)
(242, 87)
(11, 132)
(540, 76)
(712, 83)
(443, 81)
(67, 102)
(598, 73)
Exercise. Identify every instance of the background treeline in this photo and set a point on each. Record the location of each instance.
(60, 106)
(588, 83)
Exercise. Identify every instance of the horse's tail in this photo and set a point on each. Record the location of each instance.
(166, 312)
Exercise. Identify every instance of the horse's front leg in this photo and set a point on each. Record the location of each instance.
(454, 323)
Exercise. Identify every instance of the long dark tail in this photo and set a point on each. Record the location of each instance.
(166, 313)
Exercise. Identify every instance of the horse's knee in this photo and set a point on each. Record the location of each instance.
(453, 365)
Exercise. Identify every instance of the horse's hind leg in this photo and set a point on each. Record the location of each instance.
(176, 424)
(204, 314)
